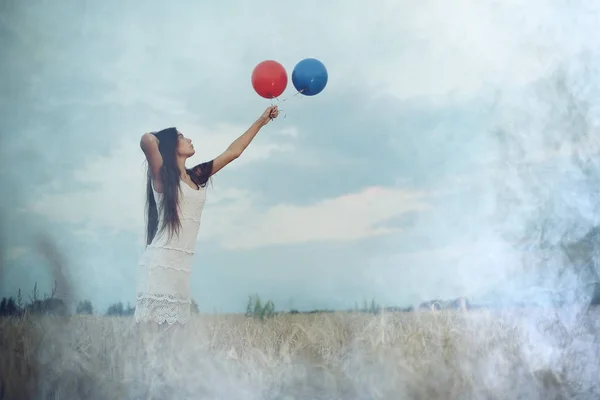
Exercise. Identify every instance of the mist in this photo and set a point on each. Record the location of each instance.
(454, 153)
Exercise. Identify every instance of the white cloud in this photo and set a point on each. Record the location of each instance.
(438, 48)
(407, 49)
(346, 218)
(114, 189)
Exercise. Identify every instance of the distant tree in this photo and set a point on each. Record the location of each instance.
(256, 309)
(8, 307)
(11, 307)
(374, 308)
(257, 305)
(85, 307)
(249, 307)
(130, 310)
(19, 300)
(268, 310)
(33, 297)
(118, 310)
(49, 306)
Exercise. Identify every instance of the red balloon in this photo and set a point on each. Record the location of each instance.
(269, 79)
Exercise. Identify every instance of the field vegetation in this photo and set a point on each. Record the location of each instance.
(529, 353)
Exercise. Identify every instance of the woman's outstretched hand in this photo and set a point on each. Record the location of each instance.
(270, 113)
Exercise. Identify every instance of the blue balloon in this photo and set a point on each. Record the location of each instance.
(309, 76)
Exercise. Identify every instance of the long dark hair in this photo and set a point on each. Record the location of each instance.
(169, 174)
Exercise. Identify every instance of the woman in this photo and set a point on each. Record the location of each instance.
(175, 199)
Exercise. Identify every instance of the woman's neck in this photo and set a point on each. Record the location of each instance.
(181, 165)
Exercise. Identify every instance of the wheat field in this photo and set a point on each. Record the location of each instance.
(482, 354)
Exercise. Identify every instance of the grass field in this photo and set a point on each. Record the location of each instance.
(529, 354)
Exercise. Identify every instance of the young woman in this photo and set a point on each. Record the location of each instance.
(175, 199)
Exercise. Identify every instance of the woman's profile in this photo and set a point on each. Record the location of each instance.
(175, 197)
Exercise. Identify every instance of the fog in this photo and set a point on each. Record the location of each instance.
(472, 129)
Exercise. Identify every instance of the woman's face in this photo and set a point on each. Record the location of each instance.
(185, 148)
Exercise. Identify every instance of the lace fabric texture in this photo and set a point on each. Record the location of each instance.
(164, 270)
(161, 309)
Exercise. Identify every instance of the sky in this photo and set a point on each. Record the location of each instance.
(449, 134)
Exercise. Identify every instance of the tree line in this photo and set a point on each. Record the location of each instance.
(49, 304)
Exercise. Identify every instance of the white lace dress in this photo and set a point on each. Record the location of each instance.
(163, 293)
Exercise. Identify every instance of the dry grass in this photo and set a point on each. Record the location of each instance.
(534, 354)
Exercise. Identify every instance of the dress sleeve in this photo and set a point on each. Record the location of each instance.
(201, 172)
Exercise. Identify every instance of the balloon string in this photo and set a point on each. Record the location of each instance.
(294, 95)
(286, 99)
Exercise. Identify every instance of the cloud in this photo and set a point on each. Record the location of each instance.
(111, 197)
(348, 217)
(426, 49)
